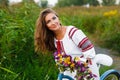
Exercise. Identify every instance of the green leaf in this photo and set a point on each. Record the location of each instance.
(7, 70)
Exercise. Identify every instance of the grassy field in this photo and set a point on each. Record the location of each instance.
(18, 61)
(101, 23)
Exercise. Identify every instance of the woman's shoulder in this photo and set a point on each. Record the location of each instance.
(71, 26)
(71, 30)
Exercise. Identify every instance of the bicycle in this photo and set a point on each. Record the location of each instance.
(111, 74)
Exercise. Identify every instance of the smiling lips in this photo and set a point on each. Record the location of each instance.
(54, 25)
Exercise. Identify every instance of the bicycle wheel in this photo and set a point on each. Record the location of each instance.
(112, 77)
(61, 76)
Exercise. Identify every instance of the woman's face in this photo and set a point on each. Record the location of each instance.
(52, 22)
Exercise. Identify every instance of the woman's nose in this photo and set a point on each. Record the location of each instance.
(52, 22)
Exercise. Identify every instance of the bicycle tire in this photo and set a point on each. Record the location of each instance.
(111, 75)
(62, 76)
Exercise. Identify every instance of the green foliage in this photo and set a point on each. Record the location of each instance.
(3, 3)
(18, 61)
(28, 0)
(76, 21)
(90, 22)
(104, 68)
(44, 3)
(108, 2)
(62, 3)
(109, 31)
(93, 2)
(113, 41)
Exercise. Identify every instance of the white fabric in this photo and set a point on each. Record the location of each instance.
(71, 48)
(103, 59)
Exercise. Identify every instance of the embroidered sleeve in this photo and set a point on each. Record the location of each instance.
(80, 39)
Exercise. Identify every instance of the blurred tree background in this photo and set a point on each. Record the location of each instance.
(108, 2)
(63, 3)
(3, 2)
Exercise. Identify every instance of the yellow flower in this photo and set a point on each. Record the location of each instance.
(77, 59)
(72, 65)
(60, 60)
(85, 64)
(67, 60)
(110, 13)
(59, 55)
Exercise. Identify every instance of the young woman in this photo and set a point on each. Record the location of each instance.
(51, 35)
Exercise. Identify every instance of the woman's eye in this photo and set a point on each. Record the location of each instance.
(48, 22)
(54, 18)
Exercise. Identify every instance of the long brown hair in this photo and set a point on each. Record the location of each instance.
(43, 37)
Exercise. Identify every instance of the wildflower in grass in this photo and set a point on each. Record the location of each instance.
(110, 13)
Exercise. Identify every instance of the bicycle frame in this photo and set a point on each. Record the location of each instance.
(103, 76)
(62, 76)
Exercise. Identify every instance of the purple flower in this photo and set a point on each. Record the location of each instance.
(78, 63)
(55, 53)
(83, 69)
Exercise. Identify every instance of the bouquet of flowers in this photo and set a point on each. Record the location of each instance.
(65, 62)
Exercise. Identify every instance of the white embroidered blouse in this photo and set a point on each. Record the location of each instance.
(75, 43)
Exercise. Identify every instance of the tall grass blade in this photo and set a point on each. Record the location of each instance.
(7, 70)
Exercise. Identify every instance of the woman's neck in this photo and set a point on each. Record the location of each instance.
(60, 33)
